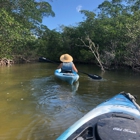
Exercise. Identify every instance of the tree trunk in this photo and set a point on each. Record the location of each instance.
(94, 49)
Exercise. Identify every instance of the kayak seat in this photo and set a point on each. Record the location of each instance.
(66, 71)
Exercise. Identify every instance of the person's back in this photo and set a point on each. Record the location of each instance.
(67, 65)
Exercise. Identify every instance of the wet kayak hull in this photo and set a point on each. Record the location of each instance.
(68, 77)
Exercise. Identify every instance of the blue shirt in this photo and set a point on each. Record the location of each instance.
(67, 66)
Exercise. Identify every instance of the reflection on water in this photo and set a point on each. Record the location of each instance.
(34, 105)
(75, 87)
(32, 102)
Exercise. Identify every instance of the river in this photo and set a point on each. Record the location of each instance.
(35, 105)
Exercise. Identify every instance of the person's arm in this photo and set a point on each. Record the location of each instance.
(74, 68)
(60, 66)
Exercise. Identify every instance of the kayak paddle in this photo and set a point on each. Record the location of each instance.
(94, 76)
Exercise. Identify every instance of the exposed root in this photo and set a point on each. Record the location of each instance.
(6, 62)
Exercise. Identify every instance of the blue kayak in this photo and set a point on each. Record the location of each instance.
(115, 119)
(68, 77)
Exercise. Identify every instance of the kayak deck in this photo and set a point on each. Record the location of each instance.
(110, 126)
(115, 119)
(68, 77)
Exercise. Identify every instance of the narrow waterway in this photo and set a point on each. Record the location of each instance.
(35, 105)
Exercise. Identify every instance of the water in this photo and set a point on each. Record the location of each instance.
(35, 105)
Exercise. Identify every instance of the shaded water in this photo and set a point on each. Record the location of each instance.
(35, 105)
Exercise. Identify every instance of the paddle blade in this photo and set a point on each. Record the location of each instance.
(95, 76)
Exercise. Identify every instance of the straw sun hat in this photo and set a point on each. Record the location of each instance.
(66, 58)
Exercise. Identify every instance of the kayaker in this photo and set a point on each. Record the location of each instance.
(67, 65)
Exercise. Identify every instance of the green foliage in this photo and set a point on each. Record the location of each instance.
(20, 23)
(115, 29)
(50, 44)
(13, 34)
